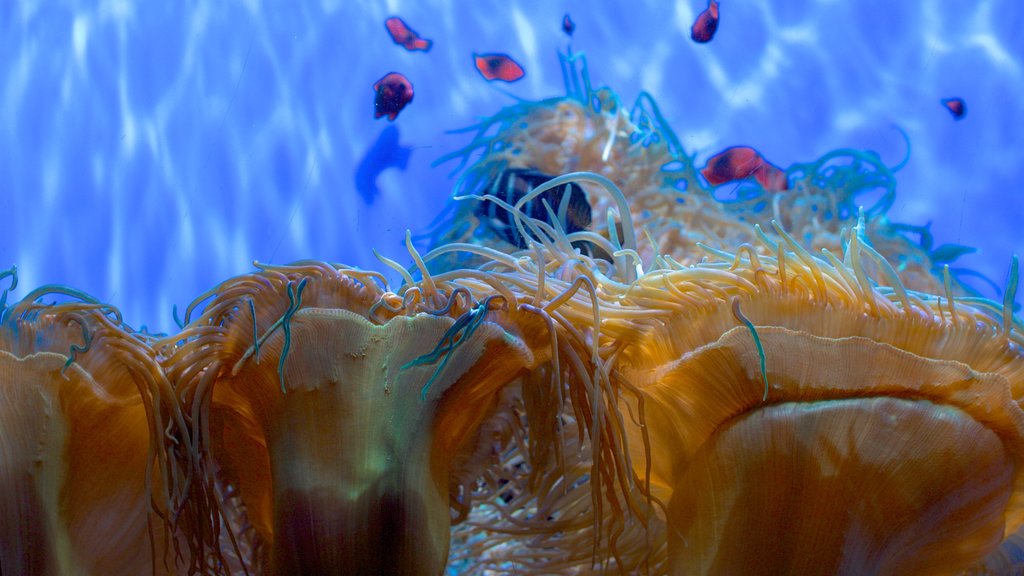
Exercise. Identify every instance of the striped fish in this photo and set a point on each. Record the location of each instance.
(568, 202)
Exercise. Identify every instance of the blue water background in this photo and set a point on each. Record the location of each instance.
(149, 150)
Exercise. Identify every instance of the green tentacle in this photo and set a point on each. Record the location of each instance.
(757, 342)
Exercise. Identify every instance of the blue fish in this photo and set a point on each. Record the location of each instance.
(385, 153)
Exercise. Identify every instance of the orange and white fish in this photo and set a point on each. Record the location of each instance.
(706, 24)
(568, 26)
(393, 91)
(740, 163)
(405, 36)
(498, 67)
(956, 106)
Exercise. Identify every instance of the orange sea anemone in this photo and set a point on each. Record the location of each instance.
(86, 438)
(880, 428)
(772, 387)
(550, 413)
(349, 425)
(851, 297)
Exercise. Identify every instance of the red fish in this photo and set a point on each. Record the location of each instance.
(405, 36)
(956, 106)
(568, 26)
(740, 163)
(498, 67)
(394, 91)
(706, 24)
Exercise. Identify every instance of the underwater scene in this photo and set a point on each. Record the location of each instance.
(349, 287)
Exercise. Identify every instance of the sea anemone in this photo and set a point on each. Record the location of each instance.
(350, 425)
(880, 428)
(591, 130)
(862, 325)
(881, 425)
(88, 438)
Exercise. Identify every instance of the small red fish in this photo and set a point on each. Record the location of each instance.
(498, 67)
(956, 107)
(706, 24)
(568, 26)
(740, 163)
(394, 91)
(405, 36)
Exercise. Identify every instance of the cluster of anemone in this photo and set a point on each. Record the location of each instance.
(780, 383)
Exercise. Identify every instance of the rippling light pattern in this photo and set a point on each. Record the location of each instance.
(153, 151)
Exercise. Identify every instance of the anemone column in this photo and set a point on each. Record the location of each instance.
(79, 461)
(802, 421)
(340, 434)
